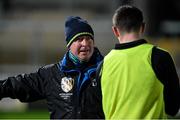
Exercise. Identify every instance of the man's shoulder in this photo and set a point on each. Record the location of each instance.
(49, 67)
(160, 52)
(48, 70)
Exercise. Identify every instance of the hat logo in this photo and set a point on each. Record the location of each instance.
(67, 84)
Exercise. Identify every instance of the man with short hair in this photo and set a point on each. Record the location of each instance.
(138, 80)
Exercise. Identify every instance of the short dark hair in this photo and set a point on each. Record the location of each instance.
(128, 18)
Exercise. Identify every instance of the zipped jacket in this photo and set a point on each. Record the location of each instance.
(68, 89)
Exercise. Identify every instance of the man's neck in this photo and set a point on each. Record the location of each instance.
(75, 59)
(130, 37)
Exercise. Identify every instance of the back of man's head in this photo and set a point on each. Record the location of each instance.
(128, 18)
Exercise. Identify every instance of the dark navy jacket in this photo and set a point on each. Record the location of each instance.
(68, 89)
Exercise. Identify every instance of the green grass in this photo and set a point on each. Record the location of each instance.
(35, 114)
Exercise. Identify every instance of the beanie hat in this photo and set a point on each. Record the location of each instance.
(75, 27)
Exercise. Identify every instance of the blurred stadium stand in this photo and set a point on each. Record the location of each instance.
(32, 31)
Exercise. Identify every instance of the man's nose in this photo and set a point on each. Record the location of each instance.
(84, 41)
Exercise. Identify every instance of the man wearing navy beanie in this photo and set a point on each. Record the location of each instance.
(69, 85)
(80, 40)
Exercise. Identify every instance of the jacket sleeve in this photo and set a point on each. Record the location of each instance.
(25, 87)
(165, 71)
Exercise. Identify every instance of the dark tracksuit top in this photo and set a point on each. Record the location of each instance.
(67, 88)
(165, 71)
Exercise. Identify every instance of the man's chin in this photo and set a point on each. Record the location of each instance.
(84, 58)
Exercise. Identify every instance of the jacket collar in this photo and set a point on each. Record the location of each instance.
(130, 44)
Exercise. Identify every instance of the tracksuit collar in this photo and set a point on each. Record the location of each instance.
(130, 44)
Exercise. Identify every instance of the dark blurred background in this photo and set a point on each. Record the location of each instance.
(32, 34)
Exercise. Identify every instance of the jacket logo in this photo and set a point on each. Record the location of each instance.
(67, 84)
(94, 82)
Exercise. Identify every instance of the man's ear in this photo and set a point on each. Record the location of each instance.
(142, 29)
(115, 31)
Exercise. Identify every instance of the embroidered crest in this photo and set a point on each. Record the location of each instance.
(67, 84)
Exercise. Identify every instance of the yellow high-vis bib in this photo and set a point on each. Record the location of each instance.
(130, 88)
